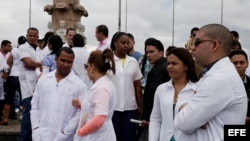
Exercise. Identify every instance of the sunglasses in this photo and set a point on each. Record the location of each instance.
(198, 41)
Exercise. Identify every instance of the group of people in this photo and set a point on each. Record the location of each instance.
(69, 93)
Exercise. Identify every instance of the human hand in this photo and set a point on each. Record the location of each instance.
(182, 106)
(76, 103)
(204, 126)
(145, 123)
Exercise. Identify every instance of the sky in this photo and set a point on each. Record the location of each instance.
(142, 18)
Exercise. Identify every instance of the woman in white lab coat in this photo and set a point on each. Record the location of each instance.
(170, 95)
(98, 105)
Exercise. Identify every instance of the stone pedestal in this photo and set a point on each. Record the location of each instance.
(69, 11)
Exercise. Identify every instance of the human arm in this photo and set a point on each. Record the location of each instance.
(94, 124)
(155, 119)
(76, 103)
(138, 92)
(72, 125)
(35, 108)
(10, 60)
(30, 64)
(100, 101)
(207, 103)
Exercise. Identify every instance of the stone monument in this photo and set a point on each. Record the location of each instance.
(61, 31)
(50, 26)
(80, 28)
(69, 11)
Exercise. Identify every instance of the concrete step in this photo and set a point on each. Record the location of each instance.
(10, 132)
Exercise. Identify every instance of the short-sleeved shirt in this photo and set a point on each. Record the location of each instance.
(124, 82)
(27, 77)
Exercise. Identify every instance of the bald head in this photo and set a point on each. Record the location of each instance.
(220, 33)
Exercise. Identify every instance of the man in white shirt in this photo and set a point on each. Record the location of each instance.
(81, 58)
(70, 33)
(4, 52)
(101, 34)
(53, 117)
(221, 97)
(27, 78)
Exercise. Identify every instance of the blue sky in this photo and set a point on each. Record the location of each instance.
(145, 18)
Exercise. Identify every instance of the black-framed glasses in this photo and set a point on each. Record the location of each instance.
(86, 66)
(198, 41)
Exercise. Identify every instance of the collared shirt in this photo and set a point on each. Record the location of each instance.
(206, 69)
(100, 100)
(124, 82)
(27, 77)
(52, 110)
(103, 44)
(220, 100)
(81, 58)
(161, 127)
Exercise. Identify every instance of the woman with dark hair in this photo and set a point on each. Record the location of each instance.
(129, 94)
(48, 62)
(170, 95)
(99, 104)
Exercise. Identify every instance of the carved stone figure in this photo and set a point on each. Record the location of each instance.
(50, 26)
(62, 30)
(68, 10)
(80, 28)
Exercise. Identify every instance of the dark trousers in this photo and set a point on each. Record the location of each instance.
(124, 129)
(11, 86)
(26, 132)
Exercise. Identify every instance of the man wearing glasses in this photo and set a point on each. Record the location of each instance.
(221, 97)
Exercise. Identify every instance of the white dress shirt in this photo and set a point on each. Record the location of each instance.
(161, 126)
(52, 110)
(27, 77)
(220, 100)
(81, 58)
(124, 82)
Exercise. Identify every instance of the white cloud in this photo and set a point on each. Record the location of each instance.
(145, 18)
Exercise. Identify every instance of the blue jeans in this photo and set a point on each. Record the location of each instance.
(124, 129)
(26, 132)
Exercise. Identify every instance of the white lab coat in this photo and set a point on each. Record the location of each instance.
(220, 100)
(161, 126)
(106, 131)
(52, 110)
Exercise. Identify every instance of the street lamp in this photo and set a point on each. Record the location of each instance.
(30, 14)
(119, 16)
(221, 12)
(173, 26)
(126, 15)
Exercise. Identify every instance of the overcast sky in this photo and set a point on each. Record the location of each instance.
(145, 18)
